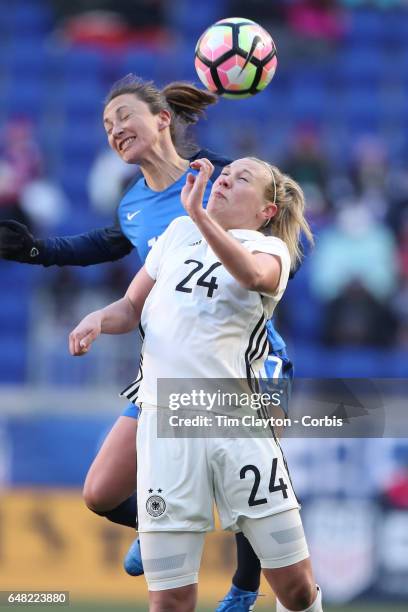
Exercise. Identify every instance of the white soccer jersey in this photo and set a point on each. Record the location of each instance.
(198, 321)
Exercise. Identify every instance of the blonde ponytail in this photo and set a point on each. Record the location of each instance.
(289, 222)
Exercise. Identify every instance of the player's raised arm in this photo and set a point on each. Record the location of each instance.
(97, 246)
(254, 271)
(118, 318)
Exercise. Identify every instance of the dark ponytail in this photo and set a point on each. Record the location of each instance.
(188, 101)
(185, 102)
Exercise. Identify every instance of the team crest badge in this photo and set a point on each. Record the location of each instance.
(155, 506)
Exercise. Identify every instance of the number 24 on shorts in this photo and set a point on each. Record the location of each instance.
(273, 487)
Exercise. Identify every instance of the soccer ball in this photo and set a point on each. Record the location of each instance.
(235, 58)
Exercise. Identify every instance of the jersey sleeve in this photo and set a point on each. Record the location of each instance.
(274, 246)
(97, 246)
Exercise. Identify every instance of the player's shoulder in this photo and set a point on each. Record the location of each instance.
(276, 242)
(180, 227)
(256, 236)
(180, 232)
(256, 241)
(277, 246)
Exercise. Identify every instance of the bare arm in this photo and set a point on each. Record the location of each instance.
(254, 271)
(117, 318)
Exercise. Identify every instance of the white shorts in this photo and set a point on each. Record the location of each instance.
(178, 480)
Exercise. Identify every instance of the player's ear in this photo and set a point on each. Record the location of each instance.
(164, 119)
(269, 211)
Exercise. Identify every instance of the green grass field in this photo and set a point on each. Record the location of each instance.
(103, 607)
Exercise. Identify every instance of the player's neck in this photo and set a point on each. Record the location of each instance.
(163, 169)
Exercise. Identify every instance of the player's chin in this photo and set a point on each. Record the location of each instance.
(214, 202)
(215, 213)
(216, 205)
(211, 207)
(130, 159)
(133, 155)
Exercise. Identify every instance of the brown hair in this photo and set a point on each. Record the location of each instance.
(185, 102)
(289, 222)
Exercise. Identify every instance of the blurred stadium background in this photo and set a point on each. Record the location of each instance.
(336, 117)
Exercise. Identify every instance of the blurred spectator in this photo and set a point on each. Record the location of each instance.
(317, 19)
(369, 170)
(355, 248)
(357, 318)
(20, 163)
(318, 207)
(26, 195)
(107, 180)
(112, 23)
(306, 162)
(45, 203)
(397, 191)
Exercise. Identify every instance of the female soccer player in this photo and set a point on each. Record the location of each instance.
(220, 273)
(144, 126)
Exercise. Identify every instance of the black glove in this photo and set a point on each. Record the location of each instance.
(18, 244)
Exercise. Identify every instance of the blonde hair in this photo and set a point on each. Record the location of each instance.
(289, 222)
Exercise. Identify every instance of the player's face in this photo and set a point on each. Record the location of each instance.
(237, 197)
(131, 128)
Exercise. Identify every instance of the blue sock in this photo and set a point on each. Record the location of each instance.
(124, 514)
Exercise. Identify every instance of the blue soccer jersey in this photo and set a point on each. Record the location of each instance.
(144, 214)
